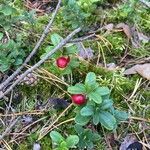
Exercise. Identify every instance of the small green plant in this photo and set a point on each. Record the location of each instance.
(12, 50)
(11, 55)
(60, 143)
(87, 137)
(77, 13)
(63, 60)
(99, 106)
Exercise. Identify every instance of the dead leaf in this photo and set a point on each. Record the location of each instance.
(86, 53)
(109, 27)
(143, 70)
(126, 29)
(143, 37)
(128, 140)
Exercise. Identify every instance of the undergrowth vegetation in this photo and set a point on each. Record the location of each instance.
(79, 98)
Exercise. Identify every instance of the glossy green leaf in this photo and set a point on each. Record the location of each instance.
(90, 79)
(81, 120)
(55, 38)
(96, 118)
(103, 91)
(95, 97)
(72, 140)
(77, 89)
(121, 115)
(107, 120)
(87, 111)
(106, 104)
(56, 137)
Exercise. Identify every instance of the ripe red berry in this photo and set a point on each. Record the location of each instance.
(78, 99)
(62, 62)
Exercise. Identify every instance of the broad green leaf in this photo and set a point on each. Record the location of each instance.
(103, 91)
(72, 140)
(96, 137)
(95, 97)
(87, 111)
(49, 48)
(74, 63)
(71, 49)
(106, 104)
(81, 120)
(121, 115)
(78, 128)
(96, 118)
(7, 10)
(63, 146)
(90, 79)
(55, 38)
(107, 120)
(77, 89)
(56, 137)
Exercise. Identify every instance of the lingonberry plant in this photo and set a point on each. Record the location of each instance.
(60, 143)
(99, 107)
(63, 61)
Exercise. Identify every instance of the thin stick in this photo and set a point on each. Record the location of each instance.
(61, 44)
(9, 128)
(81, 38)
(44, 34)
(46, 130)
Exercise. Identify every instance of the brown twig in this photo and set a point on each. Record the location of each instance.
(61, 44)
(44, 34)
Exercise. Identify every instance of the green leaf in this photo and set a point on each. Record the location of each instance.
(106, 104)
(107, 120)
(72, 140)
(87, 111)
(96, 118)
(1, 35)
(96, 137)
(55, 38)
(77, 89)
(90, 79)
(103, 91)
(74, 63)
(71, 49)
(63, 146)
(95, 97)
(121, 115)
(56, 137)
(7, 10)
(81, 120)
(78, 128)
(49, 48)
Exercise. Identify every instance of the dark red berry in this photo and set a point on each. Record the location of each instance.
(62, 62)
(78, 99)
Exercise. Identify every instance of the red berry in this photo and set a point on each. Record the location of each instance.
(78, 99)
(62, 62)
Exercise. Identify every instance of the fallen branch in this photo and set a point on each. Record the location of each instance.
(44, 34)
(60, 45)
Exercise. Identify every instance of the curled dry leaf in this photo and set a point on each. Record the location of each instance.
(126, 29)
(109, 27)
(143, 70)
(86, 53)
